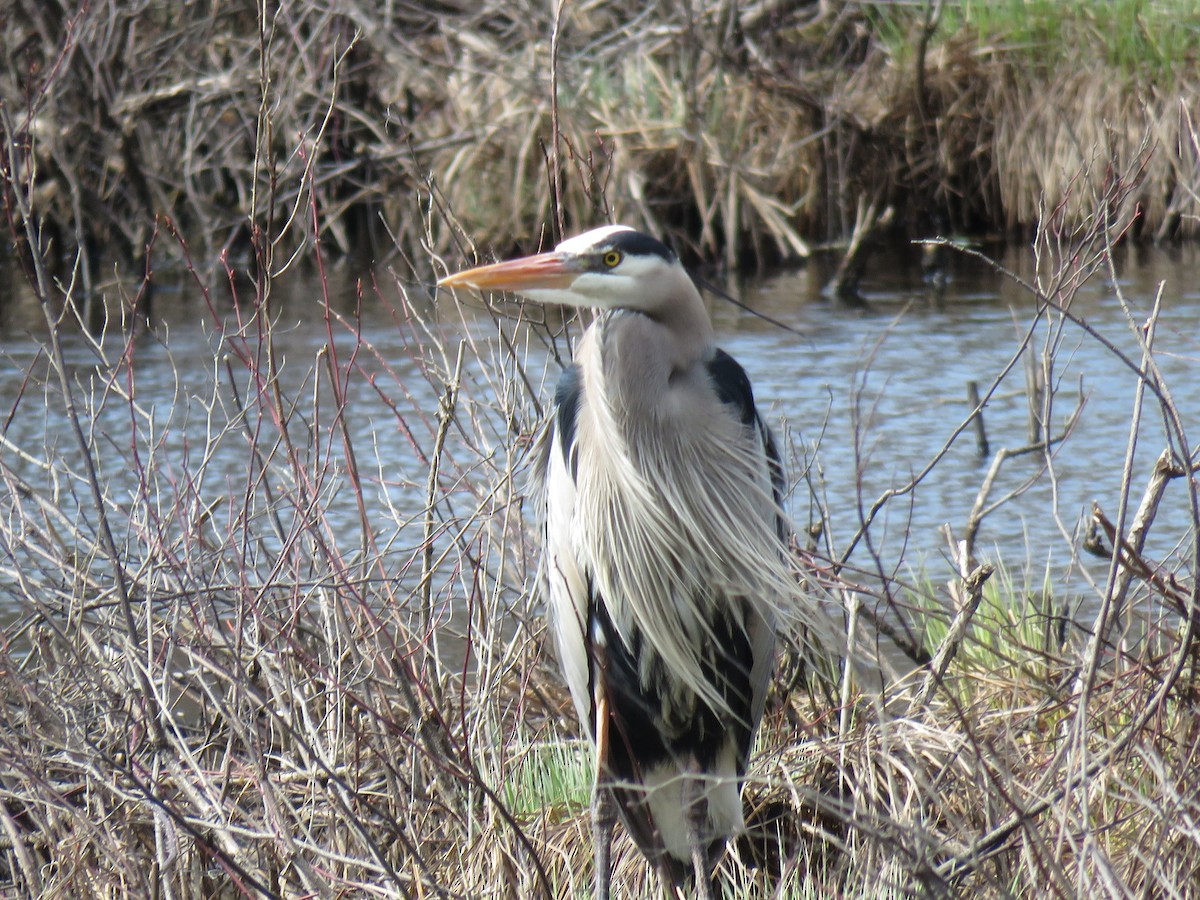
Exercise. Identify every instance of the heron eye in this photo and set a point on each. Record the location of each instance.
(612, 257)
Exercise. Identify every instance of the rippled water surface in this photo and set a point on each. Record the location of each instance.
(866, 396)
(884, 388)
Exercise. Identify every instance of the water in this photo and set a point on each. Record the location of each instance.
(866, 398)
(903, 363)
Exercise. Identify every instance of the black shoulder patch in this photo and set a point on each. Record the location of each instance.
(732, 385)
(566, 403)
(634, 243)
(733, 389)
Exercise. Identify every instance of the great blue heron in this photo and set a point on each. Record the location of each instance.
(664, 552)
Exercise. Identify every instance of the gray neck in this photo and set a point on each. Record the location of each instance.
(635, 375)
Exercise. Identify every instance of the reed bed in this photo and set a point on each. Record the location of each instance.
(745, 131)
(315, 674)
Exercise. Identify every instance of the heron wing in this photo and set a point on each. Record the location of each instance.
(733, 389)
(732, 385)
(568, 588)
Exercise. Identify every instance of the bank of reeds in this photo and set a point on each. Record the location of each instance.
(321, 672)
(744, 131)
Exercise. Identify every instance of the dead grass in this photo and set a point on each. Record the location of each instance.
(744, 138)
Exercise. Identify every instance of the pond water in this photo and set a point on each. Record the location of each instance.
(883, 388)
(866, 396)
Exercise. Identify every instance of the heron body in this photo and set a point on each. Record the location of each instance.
(663, 555)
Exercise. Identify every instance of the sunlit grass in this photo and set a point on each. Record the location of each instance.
(550, 778)
(1017, 632)
(1152, 37)
(1156, 39)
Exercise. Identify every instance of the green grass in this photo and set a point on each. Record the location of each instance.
(551, 778)
(1013, 633)
(1159, 39)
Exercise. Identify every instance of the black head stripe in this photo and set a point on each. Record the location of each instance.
(634, 243)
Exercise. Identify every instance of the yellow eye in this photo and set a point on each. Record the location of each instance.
(612, 257)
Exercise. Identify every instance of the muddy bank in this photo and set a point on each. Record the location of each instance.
(746, 132)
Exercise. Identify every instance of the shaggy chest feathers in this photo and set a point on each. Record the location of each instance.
(676, 522)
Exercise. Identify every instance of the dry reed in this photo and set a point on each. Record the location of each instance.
(744, 131)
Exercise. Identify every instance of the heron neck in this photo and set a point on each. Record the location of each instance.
(688, 332)
(640, 357)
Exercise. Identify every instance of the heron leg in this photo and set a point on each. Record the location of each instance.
(604, 818)
(697, 819)
(604, 810)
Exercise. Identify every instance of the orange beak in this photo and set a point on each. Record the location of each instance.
(544, 271)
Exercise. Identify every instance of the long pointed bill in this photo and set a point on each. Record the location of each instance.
(545, 271)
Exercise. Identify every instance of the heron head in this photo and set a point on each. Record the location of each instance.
(613, 267)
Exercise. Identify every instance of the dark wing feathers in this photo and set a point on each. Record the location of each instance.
(733, 389)
(732, 385)
(566, 402)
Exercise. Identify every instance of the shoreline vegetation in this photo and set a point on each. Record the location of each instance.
(213, 688)
(743, 132)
